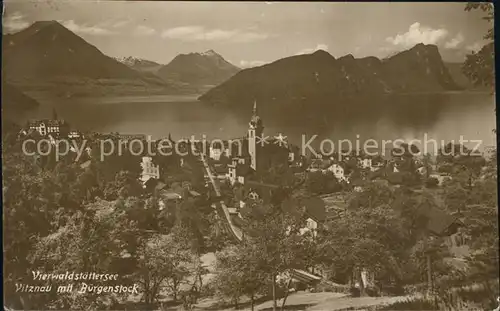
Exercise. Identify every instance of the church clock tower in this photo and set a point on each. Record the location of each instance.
(255, 131)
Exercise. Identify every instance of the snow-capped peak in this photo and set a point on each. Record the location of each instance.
(131, 61)
(209, 53)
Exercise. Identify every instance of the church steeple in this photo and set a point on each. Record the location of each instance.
(255, 134)
(255, 121)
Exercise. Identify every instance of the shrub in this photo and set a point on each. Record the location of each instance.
(431, 182)
(478, 295)
(354, 292)
(393, 290)
(412, 304)
(372, 291)
(330, 287)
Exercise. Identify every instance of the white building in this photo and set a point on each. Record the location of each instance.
(49, 127)
(149, 169)
(338, 171)
(311, 225)
(215, 153)
(74, 134)
(232, 173)
(365, 163)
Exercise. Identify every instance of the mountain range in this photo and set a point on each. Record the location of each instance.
(207, 68)
(15, 102)
(320, 76)
(46, 56)
(201, 70)
(140, 64)
(47, 49)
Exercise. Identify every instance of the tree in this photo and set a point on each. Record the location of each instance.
(38, 202)
(366, 239)
(92, 240)
(125, 185)
(162, 263)
(373, 195)
(275, 239)
(427, 164)
(318, 183)
(479, 66)
(455, 197)
(238, 274)
(481, 233)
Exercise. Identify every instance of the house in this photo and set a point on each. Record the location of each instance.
(312, 210)
(129, 137)
(216, 152)
(149, 169)
(378, 162)
(167, 196)
(442, 224)
(319, 165)
(74, 134)
(315, 213)
(392, 167)
(260, 191)
(441, 177)
(338, 171)
(237, 170)
(175, 193)
(358, 184)
(365, 163)
(49, 127)
(221, 171)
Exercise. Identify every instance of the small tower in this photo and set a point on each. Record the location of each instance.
(54, 114)
(255, 131)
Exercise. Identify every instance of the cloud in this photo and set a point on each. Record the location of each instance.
(418, 34)
(200, 33)
(88, 30)
(476, 46)
(454, 42)
(120, 24)
(252, 63)
(15, 22)
(184, 32)
(320, 46)
(142, 30)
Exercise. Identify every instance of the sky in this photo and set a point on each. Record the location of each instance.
(253, 33)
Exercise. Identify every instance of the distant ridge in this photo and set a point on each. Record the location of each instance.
(47, 53)
(319, 75)
(46, 49)
(140, 64)
(15, 102)
(207, 68)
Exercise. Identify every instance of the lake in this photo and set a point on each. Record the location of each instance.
(443, 117)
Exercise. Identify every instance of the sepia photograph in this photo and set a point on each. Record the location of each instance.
(257, 156)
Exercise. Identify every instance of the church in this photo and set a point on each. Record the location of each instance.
(260, 153)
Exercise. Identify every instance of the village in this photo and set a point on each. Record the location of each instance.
(249, 156)
(232, 180)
